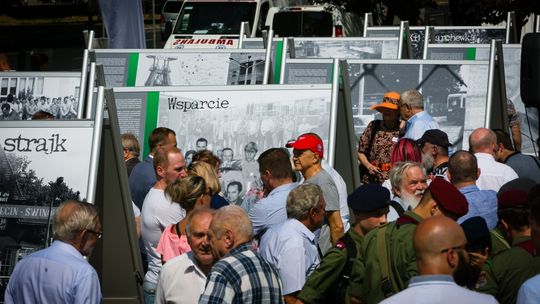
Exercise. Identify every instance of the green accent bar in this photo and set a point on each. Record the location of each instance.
(471, 54)
(132, 69)
(279, 53)
(152, 102)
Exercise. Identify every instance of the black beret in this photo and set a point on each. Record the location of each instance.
(477, 233)
(448, 197)
(368, 198)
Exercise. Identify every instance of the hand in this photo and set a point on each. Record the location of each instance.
(373, 170)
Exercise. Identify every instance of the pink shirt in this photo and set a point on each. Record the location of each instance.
(170, 245)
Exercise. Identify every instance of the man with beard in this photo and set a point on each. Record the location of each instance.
(60, 273)
(409, 181)
(514, 266)
(182, 278)
(434, 144)
(388, 261)
(439, 246)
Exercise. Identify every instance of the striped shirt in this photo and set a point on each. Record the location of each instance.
(242, 276)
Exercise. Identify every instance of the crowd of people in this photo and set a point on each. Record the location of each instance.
(29, 107)
(427, 225)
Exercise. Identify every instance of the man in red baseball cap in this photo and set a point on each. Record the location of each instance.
(308, 152)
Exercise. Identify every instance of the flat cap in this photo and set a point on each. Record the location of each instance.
(448, 197)
(477, 233)
(512, 198)
(368, 198)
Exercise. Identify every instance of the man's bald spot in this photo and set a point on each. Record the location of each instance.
(481, 139)
(66, 211)
(435, 234)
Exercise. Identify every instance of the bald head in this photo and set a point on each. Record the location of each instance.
(482, 140)
(463, 167)
(435, 241)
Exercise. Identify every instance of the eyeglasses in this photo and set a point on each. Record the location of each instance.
(298, 153)
(98, 234)
(462, 247)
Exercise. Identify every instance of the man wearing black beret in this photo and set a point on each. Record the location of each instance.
(387, 260)
(330, 280)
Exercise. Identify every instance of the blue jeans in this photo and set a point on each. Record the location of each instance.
(149, 291)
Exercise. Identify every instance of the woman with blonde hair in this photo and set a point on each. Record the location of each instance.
(191, 193)
(207, 171)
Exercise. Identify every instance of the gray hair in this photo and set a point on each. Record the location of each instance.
(78, 216)
(301, 199)
(194, 213)
(130, 143)
(397, 171)
(232, 218)
(413, 98)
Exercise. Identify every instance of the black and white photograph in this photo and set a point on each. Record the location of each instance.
(454, 94)
(349, 48)
(191, 68)
(239, 125)
(22, 96)
(39, 168)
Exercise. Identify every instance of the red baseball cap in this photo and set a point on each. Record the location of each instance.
(308, 142)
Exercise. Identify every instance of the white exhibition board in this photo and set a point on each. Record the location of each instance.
(512, 63)
(229, 117)
(41, 162)
(441, 82)
(442, 35)
(53, 92)
(169, 67)
(346, 47)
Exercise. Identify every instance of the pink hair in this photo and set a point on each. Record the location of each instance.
(406, 150)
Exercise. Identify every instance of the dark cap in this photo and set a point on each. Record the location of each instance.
(368, 198)
(308, 142)
(520, 183)
(448, 197)
(436, 137)
(512, 198)
(477, 233)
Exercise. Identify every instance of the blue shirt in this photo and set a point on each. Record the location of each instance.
(142, 178)
(242, 276)
(481, 203)
(418, 124)
(291, 247)
(529, 293)
(57, 274)
(271, 209)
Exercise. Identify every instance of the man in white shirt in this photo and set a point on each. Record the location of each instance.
(159, 212)
(440, 248)
(183, 278)
(483, 143)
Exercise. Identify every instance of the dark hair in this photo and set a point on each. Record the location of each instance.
(233, 183)
(277, 162)
(504, 139)
(206, 156)
(516, 217)
(158, 137)
(463, 167)
(201, 139)
(6, 106)
(42, 115)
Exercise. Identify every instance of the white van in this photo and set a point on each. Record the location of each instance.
(216, 23)
(314, 21)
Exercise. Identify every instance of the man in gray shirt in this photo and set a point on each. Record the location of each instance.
(308, 153)
(526, 166)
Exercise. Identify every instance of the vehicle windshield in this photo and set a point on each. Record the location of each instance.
(206, 18)
(172, 7)
(302, 24)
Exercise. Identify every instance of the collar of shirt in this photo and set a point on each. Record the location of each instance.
(302, 229)
(469, 189)
(194, 265)
(484, 156)
(242, 247)
(513, 154)
(520, 239)
(282, 188)
(65, 247)
(426, 279)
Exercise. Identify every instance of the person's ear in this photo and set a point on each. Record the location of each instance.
(478, 172)
(433, 208)
(452, 258)
(160, 171)
(229, 239)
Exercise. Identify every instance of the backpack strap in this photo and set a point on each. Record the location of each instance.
(384, 262)
(397, 206)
